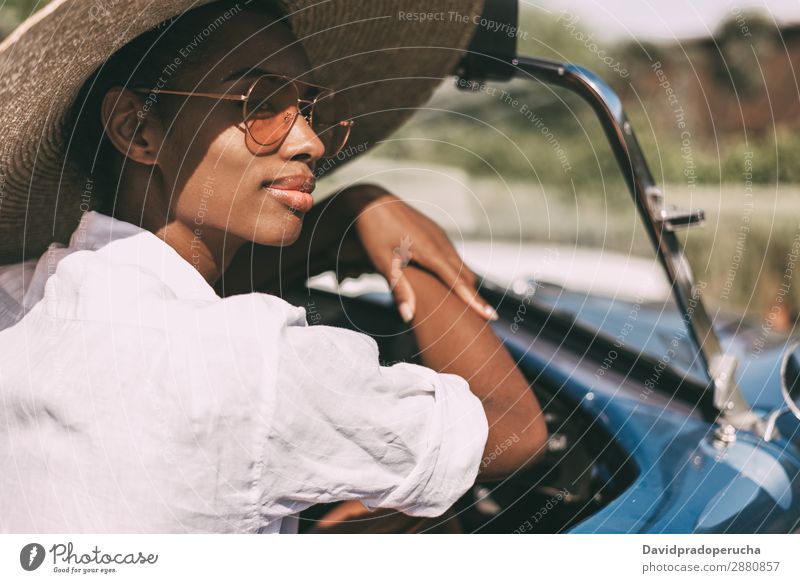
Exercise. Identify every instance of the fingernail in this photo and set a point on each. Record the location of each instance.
(489, 311)
(406, 313)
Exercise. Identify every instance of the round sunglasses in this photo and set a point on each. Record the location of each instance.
(272, 104)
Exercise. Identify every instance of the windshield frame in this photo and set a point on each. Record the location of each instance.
(660, 222)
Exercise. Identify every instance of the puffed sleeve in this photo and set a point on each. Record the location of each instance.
(344, 427)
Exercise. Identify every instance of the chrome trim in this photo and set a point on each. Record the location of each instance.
(771, 428)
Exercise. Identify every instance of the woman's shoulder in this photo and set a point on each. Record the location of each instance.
(118, 273)
(140, 280)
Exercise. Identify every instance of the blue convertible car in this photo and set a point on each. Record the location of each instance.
(660, 422)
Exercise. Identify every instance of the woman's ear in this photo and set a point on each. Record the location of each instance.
(136, 133)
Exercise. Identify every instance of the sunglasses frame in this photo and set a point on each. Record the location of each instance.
(245, 97)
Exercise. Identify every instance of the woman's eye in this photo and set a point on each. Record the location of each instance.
(263, 109)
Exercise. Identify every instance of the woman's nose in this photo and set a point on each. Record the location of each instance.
(302, 142)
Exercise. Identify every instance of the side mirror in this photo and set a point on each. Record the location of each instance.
(790, 378)
(494, 46)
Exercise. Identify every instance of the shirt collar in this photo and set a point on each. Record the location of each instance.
(97, 230)
(128, 244)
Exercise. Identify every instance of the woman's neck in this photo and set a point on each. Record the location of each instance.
(209, 250)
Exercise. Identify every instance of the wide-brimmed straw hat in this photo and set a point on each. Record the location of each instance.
(401, 48)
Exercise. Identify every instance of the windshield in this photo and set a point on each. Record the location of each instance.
(523, 181)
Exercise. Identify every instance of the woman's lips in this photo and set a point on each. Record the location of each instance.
(293, 191)
(294, 199)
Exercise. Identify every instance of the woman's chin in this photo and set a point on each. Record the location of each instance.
(280, 235)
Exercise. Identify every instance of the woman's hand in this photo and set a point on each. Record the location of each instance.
(393, 235)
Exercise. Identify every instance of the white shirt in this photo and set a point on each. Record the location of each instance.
(134, 399)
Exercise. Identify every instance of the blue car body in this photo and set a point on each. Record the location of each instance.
(685, 480)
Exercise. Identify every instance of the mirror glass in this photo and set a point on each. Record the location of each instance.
(790, 377)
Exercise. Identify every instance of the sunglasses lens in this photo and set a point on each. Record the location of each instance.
(330, 110)
(270, 110)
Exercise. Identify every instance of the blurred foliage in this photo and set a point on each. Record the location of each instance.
(748, 263)
(496, 137)
(12, 12)
(490, 136)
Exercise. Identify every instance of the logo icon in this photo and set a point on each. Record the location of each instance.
(31, 556)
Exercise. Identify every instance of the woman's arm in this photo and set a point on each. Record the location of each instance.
(453, 339)
(452, 336)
